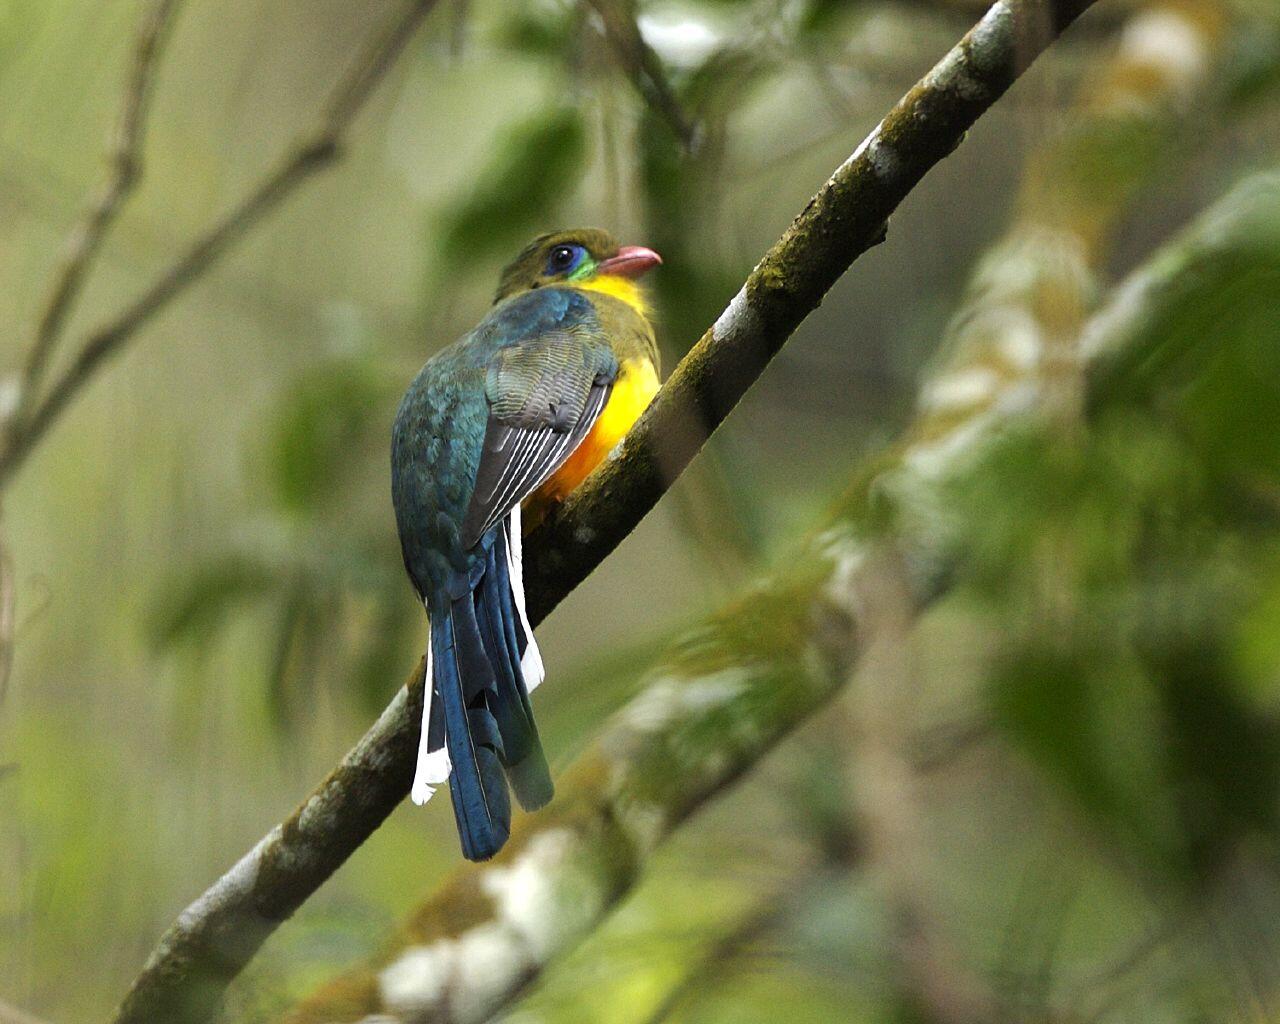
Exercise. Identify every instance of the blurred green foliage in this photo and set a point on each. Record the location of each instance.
(334, 408)
(530, 174)
(212, 605)
(1118, 567)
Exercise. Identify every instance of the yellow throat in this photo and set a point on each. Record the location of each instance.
(621, 288)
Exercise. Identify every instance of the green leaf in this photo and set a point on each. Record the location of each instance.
(1253, 73)
(196, 605)
(1090, 720)
(1116, 577)
(320, 426)
(543, 30)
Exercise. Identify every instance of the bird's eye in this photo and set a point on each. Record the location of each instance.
(564, 258)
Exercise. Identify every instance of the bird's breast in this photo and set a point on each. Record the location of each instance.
(632, 392)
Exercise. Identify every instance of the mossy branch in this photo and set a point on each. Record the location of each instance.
(1037, 283)
(218, 934)
(846, 217)
(734, 686)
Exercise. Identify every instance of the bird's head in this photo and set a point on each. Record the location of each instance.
(585, 257)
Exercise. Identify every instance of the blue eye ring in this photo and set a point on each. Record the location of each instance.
(565, 259)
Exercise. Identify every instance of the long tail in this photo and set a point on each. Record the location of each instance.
(502, 633)
(466, 694)
(477, 721)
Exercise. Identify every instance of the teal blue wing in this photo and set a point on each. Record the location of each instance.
(544, 394)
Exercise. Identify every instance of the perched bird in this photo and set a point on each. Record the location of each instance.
(517, 412)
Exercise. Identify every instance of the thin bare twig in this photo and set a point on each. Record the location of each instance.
(124, 173)
(312, 153)
(644, 68)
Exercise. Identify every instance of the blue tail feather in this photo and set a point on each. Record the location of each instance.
(524, 759)
(482, 703)
(465, 684)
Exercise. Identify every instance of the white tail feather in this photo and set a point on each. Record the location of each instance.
(531, 661)
(433, 765)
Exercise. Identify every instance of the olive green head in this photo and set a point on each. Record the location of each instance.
(574, 257)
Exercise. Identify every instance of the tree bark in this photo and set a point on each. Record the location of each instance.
(600, 845)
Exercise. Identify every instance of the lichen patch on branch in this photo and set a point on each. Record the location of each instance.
(793, 641)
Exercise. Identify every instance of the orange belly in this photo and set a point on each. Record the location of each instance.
(632, 392)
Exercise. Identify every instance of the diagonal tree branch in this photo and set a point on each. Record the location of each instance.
(215, 937)
(310, 831)
(125, 170)
(843, 220)
(1027, 287)
(309, 155)
(731, 689)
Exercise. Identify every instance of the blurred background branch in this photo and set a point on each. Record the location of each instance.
(1076, 723)
(308, 155)
(717, 702)
(644, 67)
(884, 780)
(844, 220)
(125, 171)
(1027, 302)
